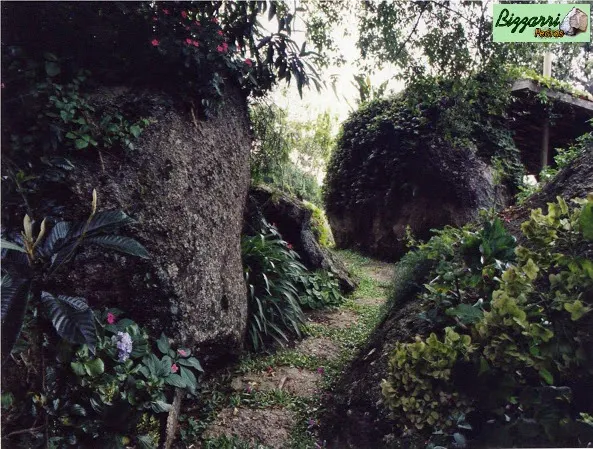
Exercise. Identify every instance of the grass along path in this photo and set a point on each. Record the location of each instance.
(274, 401)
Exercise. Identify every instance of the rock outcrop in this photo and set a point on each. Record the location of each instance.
(442, 186)
(185, 183)
(293, 220)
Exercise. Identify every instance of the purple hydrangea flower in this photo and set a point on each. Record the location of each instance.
(123, 341)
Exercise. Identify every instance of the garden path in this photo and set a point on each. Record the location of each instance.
(274, 401)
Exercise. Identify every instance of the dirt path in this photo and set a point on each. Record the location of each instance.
(274, 401)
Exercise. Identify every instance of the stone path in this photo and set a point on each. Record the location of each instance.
(272, 425)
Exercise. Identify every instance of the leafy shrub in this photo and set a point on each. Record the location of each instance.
(319, 290)
(320, 225)
(29, 263)
(419, 382)
(272, 272)
(280, 287)
(528, 323)
(112, 396)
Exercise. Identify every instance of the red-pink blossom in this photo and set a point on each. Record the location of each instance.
(289, 246)
(154, 42)
(196, 43)
(214, 20)
(110, 318)
(184, 14)
(174, 368)
(219, 49)
(225, 46)
(219, 32)
(182, 352)
(188, 41)
(248, 62)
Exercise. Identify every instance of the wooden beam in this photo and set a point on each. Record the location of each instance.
(533, 86)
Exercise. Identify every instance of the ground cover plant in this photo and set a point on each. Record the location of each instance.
(280, 287)
(509, 356)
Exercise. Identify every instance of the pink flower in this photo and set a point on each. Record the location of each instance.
(214, 20)
(110, 318)
(225, 46)
(219, 32)
(196, 43)
(219, 49)
(181, 352)
(321, 370)
(248, 62)
(188, 41)
(154, 42)
(184, 14)
(289, 246)
(166, 11)
(174, 368)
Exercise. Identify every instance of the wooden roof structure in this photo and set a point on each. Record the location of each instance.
(529, 119)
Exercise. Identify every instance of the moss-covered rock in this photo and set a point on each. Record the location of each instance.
(426, 158)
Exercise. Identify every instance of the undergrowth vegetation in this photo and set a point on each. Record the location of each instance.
(509, 358)
(279, 287)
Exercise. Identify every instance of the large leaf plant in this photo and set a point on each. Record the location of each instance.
(29, 262)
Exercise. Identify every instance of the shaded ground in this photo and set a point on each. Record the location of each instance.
(274, 401)
(270, 427)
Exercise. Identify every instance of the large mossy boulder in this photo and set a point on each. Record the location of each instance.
(293, 219)
(418, 159)
(185, 183)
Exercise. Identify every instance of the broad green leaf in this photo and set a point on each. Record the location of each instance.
(586, 221)
(576, 309)
(119, 243)
(175, 380)
(56, 235)
(547, 376)
(5, 244)
(72, 318)
(146, 442)
(80, 144)
(135, 130)
(107, 221)
(160, 406)
(78, 368)
(531, 269)
(94, 367)
(193, 362)
(467, 314)
(190, 379)
(163, 344)
(152, 362)
(15, 297)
